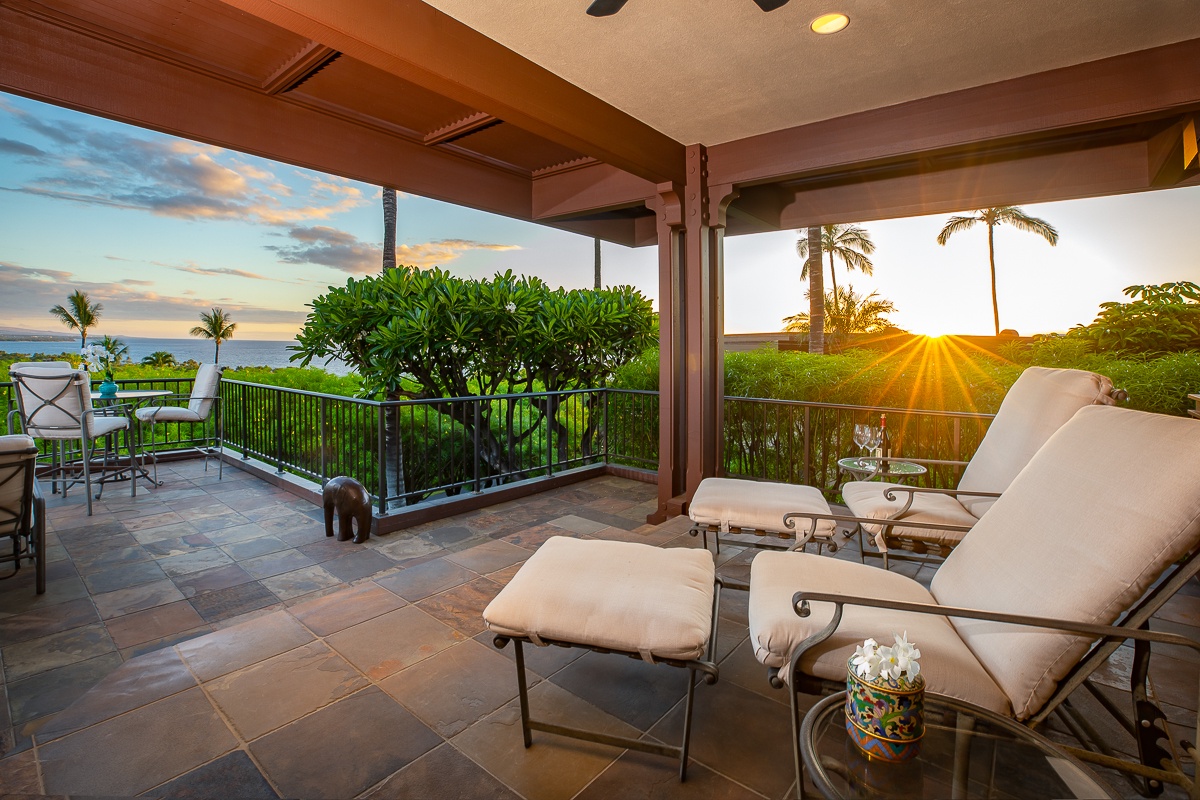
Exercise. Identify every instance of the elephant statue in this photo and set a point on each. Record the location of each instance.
(352, 502)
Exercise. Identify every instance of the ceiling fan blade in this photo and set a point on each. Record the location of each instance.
(606, 8)
(770, 5)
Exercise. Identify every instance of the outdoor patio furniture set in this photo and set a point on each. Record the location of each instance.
(83, 436)
(1007, 634)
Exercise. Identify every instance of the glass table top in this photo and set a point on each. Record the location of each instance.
(897, 467)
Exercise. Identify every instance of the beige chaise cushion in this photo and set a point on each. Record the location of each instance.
(615, 595)
(867, 499)
(1109, 502)
(734, 503)
(948, 665)
(16, 453)
(1038, 404)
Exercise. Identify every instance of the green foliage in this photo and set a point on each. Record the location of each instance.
(427, 333)
(160, 358)
(847, 313)
(1164, 318)
(310, 379)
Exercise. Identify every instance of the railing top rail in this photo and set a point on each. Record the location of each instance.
(303, 392)
(416, 401)
(883, 409)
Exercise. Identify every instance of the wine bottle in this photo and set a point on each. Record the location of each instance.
(885, 445)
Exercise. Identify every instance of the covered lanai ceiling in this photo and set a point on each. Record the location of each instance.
(538, 111)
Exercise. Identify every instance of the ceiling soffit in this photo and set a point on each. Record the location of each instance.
(712, 71)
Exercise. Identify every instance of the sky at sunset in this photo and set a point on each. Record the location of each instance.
(159, 228)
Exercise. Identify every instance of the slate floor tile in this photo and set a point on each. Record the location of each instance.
(251, 548)
(153, 623)
(45, 621)
(180, 546)
(380, 734)
(272, 693)
(131, 685)
(136, 598)
(233, 648)
(52, 691)
(454, 688)
(641, 776)
(19, 775)
(299, 582)
(210, 580)
(415, 583)
(632, 691)
(275, 563)
(346, 607)
(124, 576)
(232, 775)
(393, 641)
(223, 604)
(489, 556)
(56, 650)
(129, 754)
(446, 774)
(462, 607)
(355, 566)
(195, 561)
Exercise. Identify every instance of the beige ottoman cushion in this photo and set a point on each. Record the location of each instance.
(734, 503)
(948, 664)
(614, 595)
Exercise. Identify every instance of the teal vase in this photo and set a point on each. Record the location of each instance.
(108, 388)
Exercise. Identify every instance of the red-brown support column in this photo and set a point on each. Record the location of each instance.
(691, 223)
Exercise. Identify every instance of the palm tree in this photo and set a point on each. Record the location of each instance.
(816, 293)
(850, 243)
(115, 348)
(1000, 215)
(160, 358)
(848, 313)
(216, 325)
(597, 265)
(82, 314)
(389, 229)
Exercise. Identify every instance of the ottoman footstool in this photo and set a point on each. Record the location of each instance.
(645, 602)
(735, 505)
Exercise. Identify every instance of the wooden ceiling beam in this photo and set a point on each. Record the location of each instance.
(460, 128)
(424, 46)
(299, 68)
(1172, 155)
(71, 68)
(1144, 85)
(587, 189)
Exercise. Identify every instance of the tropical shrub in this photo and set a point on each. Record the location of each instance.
(1164, 318)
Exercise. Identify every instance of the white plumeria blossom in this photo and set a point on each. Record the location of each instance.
(91, 358)
(511, 307)
(890, 662)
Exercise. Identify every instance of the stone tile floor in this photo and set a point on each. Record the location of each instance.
(207, 640)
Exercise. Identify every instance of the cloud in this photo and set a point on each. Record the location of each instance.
(167, 177)
(19, 148)
(329, 247)
(26, 294)
(338, 249)
(237, 273)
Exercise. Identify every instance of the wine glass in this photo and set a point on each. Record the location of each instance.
(876, 438)
(862, 435)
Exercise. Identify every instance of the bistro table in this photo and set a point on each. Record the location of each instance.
(869, 468)
(967, 752)
(135, 398)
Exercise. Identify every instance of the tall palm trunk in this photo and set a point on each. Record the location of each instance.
(217, 354)
(393, 458)
(992, 263)
(597, 263)
(832, 277)
(816, 292)
(389, 229)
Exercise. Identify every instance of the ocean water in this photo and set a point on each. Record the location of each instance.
(234, 353)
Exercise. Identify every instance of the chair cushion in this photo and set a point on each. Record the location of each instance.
(16, 453)
(1037, 405)
(729, 502)
(948, 665)
(616, 595)
(866, 499)
(1110, 501)
(167, 414)
(102, 426)
(52, 399)
(204, 388)
(17, 443)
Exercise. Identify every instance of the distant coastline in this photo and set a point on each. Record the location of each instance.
(234, 353)
(32, 337)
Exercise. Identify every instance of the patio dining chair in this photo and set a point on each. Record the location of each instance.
(54, 403)
(203, 401)
(1098, 531)
(22, 508)
(1036, 405)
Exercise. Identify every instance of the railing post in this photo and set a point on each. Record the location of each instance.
(549, 440)
(605, 423)
(323, 436)
(477, 413)
(245, 424)
(278, 433)
(807, 445)
(381, 479)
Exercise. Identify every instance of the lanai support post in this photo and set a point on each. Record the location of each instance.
(690, 221)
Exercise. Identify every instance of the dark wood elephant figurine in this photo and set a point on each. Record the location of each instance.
(352, 502)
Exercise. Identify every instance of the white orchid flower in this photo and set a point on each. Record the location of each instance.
(866, 660)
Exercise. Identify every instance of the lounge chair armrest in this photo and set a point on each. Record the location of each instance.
(802, 599)
(885, 521)
(890, 492)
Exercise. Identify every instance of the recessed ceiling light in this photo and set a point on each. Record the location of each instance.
(829, 23)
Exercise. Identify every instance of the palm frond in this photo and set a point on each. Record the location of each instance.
(65, 317)
(954, 225)
(1017, 218)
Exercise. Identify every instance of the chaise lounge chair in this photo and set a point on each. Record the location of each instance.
(1092, 537)
(1037, 405)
